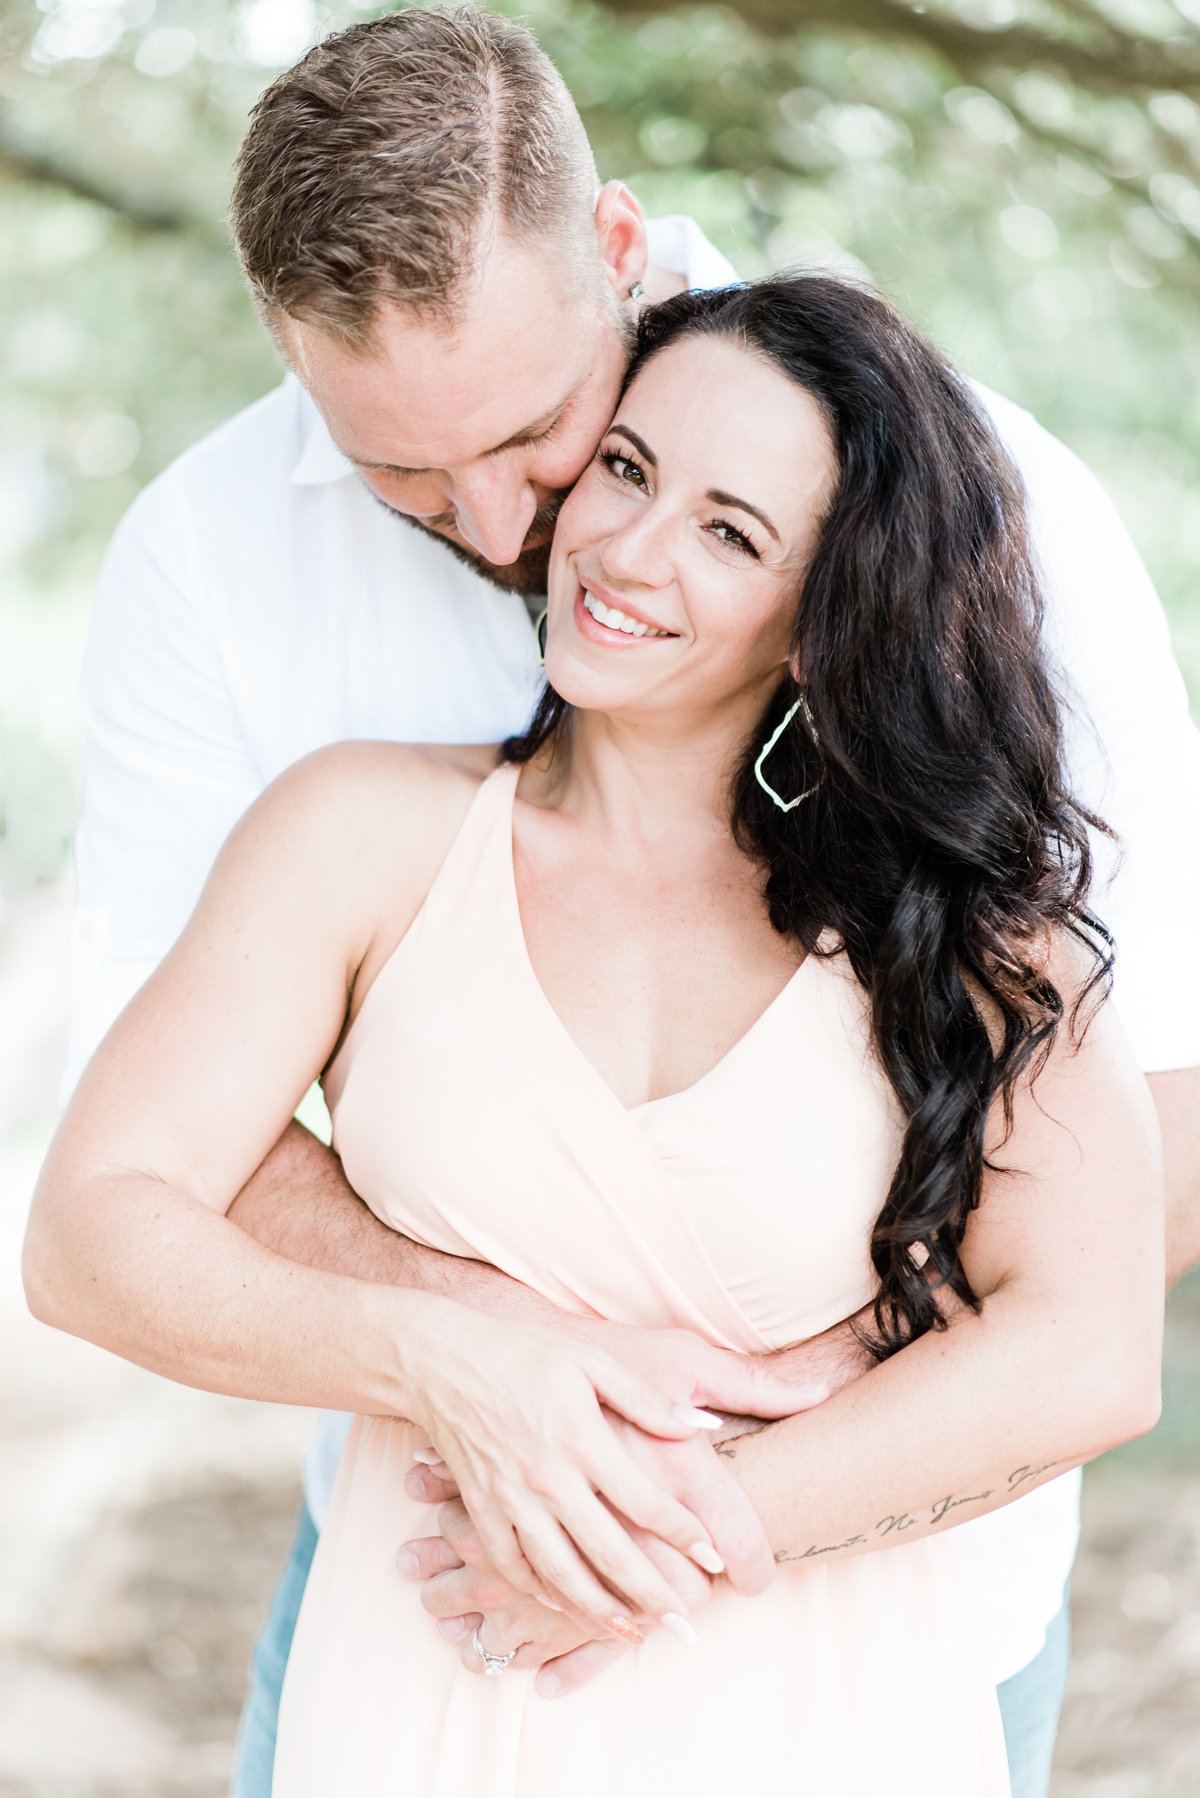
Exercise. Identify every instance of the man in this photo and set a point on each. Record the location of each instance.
(417, 213)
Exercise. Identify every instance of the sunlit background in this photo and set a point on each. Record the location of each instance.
(1023, 176)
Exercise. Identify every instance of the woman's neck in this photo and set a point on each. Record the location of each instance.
(646, 777)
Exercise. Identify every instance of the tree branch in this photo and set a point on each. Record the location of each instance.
(1090, 50)
(25, 163)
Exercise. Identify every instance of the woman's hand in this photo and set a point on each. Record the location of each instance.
(690, 1471)
(464, 1593)
(515, 1413)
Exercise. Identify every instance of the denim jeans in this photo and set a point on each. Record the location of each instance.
(1029, 1706)
(254, 1764)
(1029, 1702)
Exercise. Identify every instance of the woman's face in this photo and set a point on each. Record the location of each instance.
(679, 555)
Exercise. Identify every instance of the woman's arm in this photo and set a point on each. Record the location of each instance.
(129, 1244)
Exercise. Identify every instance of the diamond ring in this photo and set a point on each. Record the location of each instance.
(493, 1664)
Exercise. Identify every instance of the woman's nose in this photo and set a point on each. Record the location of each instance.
(641, 552)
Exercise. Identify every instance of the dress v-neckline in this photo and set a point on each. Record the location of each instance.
(543, 999)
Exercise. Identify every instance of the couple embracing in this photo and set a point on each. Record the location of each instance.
(714, 1014)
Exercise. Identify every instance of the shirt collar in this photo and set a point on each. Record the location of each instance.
(320, 462)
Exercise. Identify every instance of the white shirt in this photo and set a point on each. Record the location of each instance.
(257, 603)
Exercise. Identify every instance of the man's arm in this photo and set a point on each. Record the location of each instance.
(300, 1205)
(167, 769)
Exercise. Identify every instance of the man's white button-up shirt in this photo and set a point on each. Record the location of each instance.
(257, 603)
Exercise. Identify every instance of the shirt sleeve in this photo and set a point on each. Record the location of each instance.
(1133, 750)
(167, 771)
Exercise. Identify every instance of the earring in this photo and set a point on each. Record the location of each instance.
(786, 805)
(539, 637)
(636, 292)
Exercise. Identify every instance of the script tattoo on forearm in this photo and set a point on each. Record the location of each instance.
(814, 1550)
(900, 1521)
(1020, 1475)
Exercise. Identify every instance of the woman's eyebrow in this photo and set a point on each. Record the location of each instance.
(714, 493)
(643, 449)
(743, 505)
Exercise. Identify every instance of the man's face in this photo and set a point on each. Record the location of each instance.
(478, 432)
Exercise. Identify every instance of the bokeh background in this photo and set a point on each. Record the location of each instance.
(1023, 177)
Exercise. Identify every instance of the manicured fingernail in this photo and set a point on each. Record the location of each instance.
(453, 1628)
(699, 1420)
(680, 1628)
(408, 1564)
(706, 1556)
(548, 1602)
(548, 1684)
(627, 1630)
(428, 1457)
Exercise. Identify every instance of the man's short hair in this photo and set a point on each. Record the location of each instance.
(381, 167)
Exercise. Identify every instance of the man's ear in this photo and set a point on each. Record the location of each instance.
(621, 231)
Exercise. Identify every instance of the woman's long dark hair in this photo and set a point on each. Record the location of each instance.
(941, 845)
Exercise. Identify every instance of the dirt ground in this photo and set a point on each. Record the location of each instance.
(142, 1528)
(1131, 1726)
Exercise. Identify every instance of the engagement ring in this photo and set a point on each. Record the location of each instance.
(493, 1664)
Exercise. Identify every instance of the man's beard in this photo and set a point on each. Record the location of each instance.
(527, 575)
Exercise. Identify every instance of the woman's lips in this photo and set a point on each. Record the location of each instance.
(610, 624)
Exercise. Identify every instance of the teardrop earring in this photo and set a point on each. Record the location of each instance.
(787, 805)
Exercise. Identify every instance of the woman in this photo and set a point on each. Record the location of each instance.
(715, 1005)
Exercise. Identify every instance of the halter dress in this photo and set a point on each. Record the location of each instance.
(741, 1209)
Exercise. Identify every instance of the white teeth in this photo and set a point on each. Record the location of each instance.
(618, 621)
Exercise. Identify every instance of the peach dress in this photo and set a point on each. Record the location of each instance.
(741, 1209)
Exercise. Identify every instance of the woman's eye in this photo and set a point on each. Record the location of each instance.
(623, 467)
(725, 532)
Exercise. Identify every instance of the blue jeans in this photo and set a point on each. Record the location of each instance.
(254, 1764)
(1029, 1706)
(1029, 1702)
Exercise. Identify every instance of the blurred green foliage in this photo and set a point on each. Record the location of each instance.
(1023, 176)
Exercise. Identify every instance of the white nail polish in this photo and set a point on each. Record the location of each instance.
(706, 1556)
(428, 1457)
(699, 1420)
(680, 1628)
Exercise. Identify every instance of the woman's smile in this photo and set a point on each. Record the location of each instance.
(600, 619)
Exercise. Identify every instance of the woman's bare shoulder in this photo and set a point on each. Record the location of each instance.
(362, 826)
(363, 772)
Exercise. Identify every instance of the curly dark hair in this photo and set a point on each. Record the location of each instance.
(941, 846)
